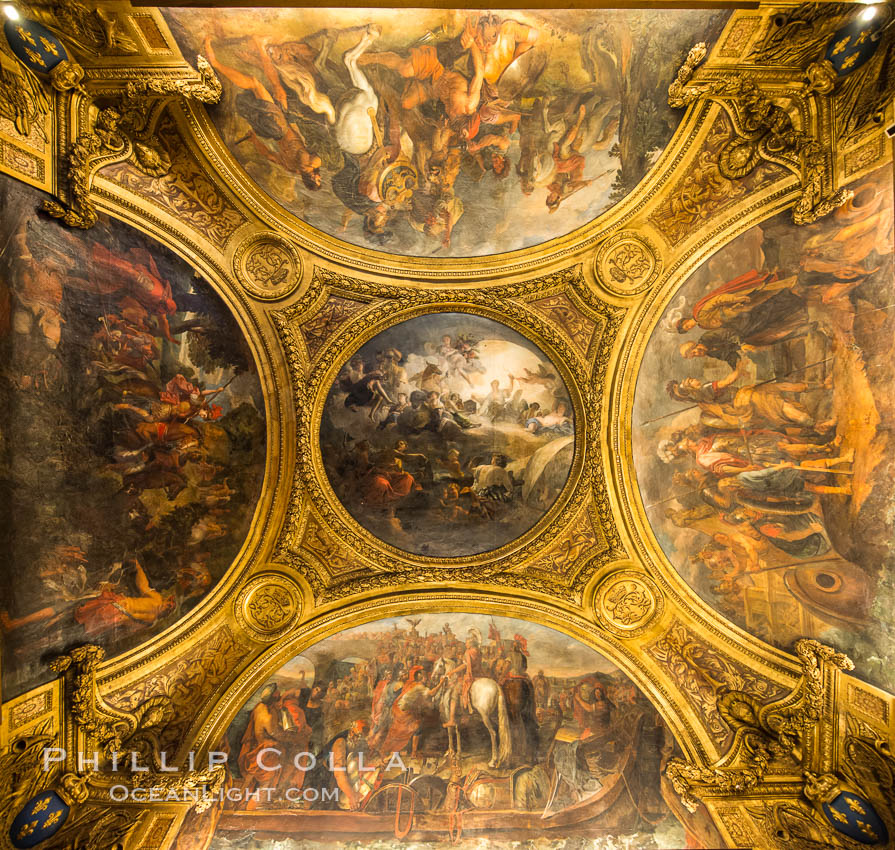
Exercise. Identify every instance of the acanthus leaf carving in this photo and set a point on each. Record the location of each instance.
(68, 807)
(764, 132)
(763, 734)
(800, 36)
(102, 728)
(124, 130)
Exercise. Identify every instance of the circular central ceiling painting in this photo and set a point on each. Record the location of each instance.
(444, 132)
(448, 435)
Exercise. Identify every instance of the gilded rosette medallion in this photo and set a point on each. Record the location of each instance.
(268, 606)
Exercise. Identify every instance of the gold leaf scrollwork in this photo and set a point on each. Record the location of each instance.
(765, 733)
(102, 728)
(268, 606)
(92, 725)
(90, 31)
(766, 132)
(627, 264)
(126, 132)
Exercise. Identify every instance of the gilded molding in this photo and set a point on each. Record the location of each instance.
(795, 731)
(91, 753)
(764, 131)
(126, 131)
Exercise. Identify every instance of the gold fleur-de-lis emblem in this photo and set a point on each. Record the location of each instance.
(27, 829)
(855, 805)
(839, 816)
(41, 806)
(840, 46)
(867, 830)
(54, 818)
(36, 58)
(26, 36)
(850, 60)
(862, 37)
(49, 46)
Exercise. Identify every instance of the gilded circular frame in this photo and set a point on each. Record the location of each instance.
(365, 328)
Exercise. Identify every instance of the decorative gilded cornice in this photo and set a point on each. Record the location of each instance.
(764, 132)
(126, 132)
(59, 781)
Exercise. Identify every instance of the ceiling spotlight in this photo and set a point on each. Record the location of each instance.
(11, 12)
(868, 14)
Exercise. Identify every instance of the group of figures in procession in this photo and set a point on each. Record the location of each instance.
(773, 426)
(435, 710)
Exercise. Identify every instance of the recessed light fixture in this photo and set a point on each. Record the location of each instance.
(11, 12)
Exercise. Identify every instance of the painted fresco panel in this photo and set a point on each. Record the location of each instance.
(448, 435)
(766, 398)
(133, 437)
(492, 132)
(577, 749)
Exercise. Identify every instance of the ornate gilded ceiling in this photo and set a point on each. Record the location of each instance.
(501, 399)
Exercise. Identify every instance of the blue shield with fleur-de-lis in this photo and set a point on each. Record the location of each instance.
(853, 816)
(34, 45)
(39, 819)
(852, 45)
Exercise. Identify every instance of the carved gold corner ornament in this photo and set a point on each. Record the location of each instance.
(59, 790)
(764, 132)
(628, 603)
(268, 606)
(823, 40)
(124, 130)
(797, 779)
(268, 266)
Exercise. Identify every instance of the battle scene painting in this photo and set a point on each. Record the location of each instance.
(440, 730)
(133, 437)
(444, 132)
(762, 430)
(448, 434)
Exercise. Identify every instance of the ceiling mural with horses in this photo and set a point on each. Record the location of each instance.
(765, 396)
(133, 429)
(440, 428)
(448, 434)
(453, 134)
(487, 726)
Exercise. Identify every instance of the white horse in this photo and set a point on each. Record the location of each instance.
(354, 127)
(485, 697)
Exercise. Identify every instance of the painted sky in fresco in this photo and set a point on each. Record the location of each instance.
(448, 434)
